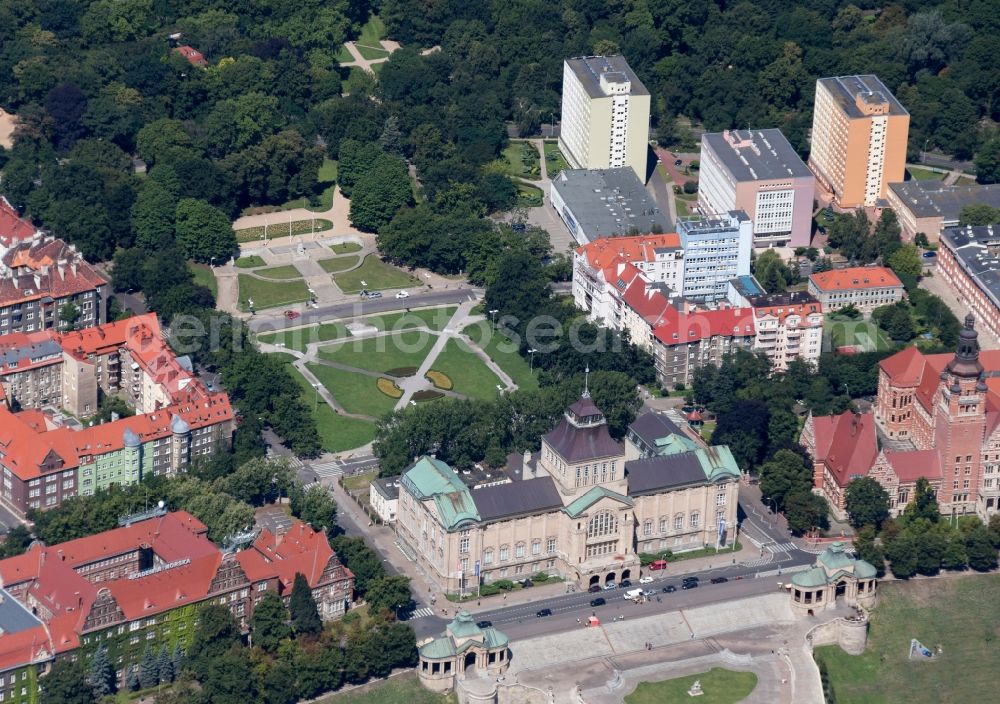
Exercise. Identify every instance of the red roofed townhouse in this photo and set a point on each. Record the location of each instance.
(193, 56)
(843, 449)
(140, 586)
(937, 417)
(789, 326)
(41, 274)
(605, 268)
(864, 287)
(13, 228)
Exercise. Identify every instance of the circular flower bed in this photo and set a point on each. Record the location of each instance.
(439, 379)
(389, 388)
(427, 395)
(400, 372)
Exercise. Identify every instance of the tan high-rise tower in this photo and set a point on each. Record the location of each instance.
(858, 139)
(605, 115)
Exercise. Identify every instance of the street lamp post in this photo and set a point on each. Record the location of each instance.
(531, 360)
(493, 318)
(316, 400)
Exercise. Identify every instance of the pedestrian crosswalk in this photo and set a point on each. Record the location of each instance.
(782, 547)
(328, 470)
(760, 561)
(421, 612)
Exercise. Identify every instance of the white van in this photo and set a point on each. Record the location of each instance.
(633, 594)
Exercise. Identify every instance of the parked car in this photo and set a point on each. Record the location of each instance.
(484, 624)
(669, 589)
(542, 613)
(625, 583)
(609, 586)
(645, 580)
(719, 580)
(402, 294)
(689, 585)
(599, 601)
(677, 162)
(929, 255)
(594, 588)
(292, 314)
(658, 565)
(648, 592)
(691, 579)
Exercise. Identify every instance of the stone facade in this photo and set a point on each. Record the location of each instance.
(835, 574)
(464, 650)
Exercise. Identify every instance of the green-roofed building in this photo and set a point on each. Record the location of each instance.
(584, 507)
(462, 648)
(835, 574)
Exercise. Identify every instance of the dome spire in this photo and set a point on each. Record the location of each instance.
(586, 382)
(965, 363)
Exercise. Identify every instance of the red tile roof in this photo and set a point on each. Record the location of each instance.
(858, 277)
(194, 57)
(41, 267)
(846, 444)
(13, 228)
(905, 367)
(911, 465)
(642, 248)
(678, 328)
(299, 550)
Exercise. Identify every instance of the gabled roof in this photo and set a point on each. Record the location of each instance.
(846, 444)
(679, 328)
(855, 278)
(516, 498)
(44, 267)
(13, 228)
(911, 465)
(581, 504)
(905, 367)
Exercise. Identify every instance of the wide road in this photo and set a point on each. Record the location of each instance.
(270, 322)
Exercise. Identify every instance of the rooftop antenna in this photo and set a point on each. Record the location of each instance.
(586, 382)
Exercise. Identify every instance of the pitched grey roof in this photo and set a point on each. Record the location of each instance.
(579, 444)
(389, 488)
(756, 155)
(33, 352)
(670, 471)
(584, 407)
(588, 70)
(14, 617)
(515, 498)
(650, 427)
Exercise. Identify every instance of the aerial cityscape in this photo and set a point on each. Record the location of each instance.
(421, 352)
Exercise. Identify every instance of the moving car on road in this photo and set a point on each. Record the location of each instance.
(542, 613)
(719, 580)
(402, 294)
(669, 589)
(484, 624)
(599, 601)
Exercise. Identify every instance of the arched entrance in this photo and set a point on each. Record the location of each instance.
(470, 661)
(610, 577)
(595, 579)
(841, 588)
(626, 574)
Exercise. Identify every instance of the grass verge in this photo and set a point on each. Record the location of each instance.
(918, 174)
(719, 686)
(356, 393)
(337, 264)
(346, 248)
(250, 262)
(204, 276)
(404, 688)
(380, 354)
(376, 275)
(521, 160)
(502, 351)
(299, 338)
(268, 294)
(554, 159)
(468, 373)
(336, 432)
(281, 273)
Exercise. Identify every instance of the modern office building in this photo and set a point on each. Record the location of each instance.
(605, 203)
(859, 138)
(716, 250)
(931, 206)
(969, 262)
(758, 172)
(864, 287)
(605, 115)
(138, 588)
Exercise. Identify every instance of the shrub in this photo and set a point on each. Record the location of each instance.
(504, 584)
(439, 379)
(389, 388)
(691, 187)
(400, 372)
(427, 395)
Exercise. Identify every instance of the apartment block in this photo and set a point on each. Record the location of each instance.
(931, 206)
(605, 115)
(716, 250)
(864, 287)
(758, 172)
(789, 326)
(859, 138)
(969, 262)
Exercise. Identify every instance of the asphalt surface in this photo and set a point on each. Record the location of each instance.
(263, 323)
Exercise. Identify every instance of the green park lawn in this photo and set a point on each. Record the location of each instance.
(250, 262)
(719, 687)
(204, 276)
(282, 273)
(502, 351)
(380, 354)
(343, 56)
(357, 393)
(468, 373)
(405, 688)
(961, 614)
(918, 174)
(377, 275)
(521, 160)
(528, 196)
(336, 264)
(430, 318)
(372, 31)
(268, 294)
(346, 248)
(371, 52)
(336, 432)
(298, 338)
(554, 159)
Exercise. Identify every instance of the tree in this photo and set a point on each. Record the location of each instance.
(66, 104)
(165, 665)
(389, 593)
(380, 192)
(805, 511)
(67, 683)
(102, 678)
(907, 264)
(981, 550)
(868, 551)
(988, 162)
(215, 633)
(784, 475)
(269, 623)
(17, 542)
(302, 607)
(314, 505)
(204, 232)
(519, 287)
(278, 685)
(924, 503)
(903, 553)
(360, 559)
(772, 272)
(867, 503)
(228, 679)
(979, 214)
(69, 314)
(149, 669)
(153, 215)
